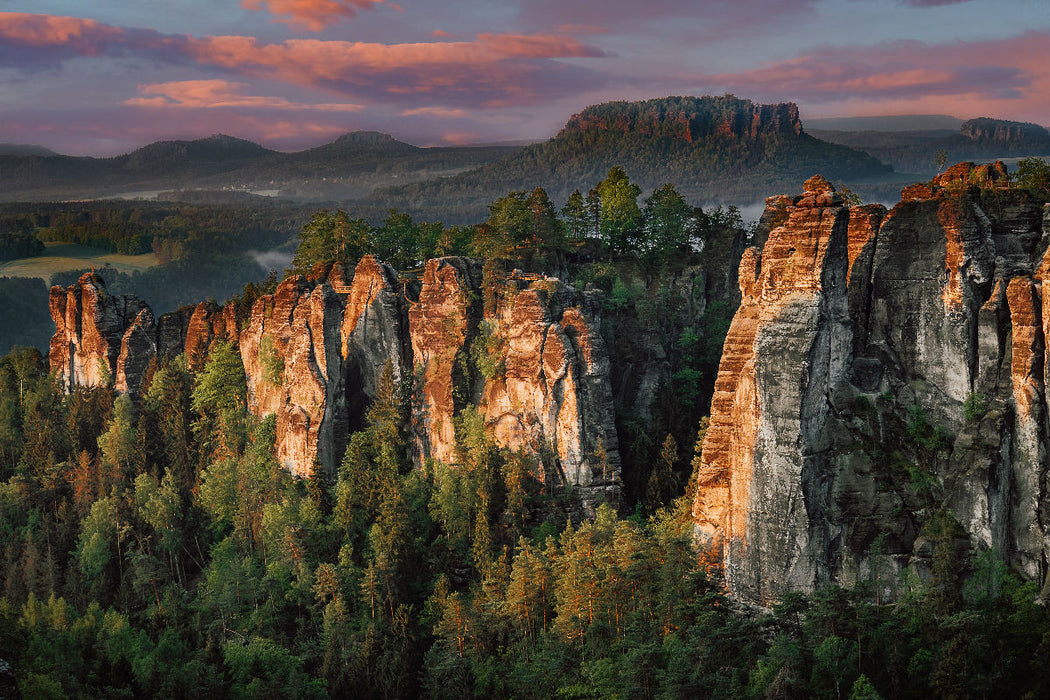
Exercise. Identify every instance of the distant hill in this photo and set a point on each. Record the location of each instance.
(915, 151)
(713, 149)
(348, 168)
(898, 122)
(24, 149)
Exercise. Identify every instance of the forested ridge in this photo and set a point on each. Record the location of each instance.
(156, 547)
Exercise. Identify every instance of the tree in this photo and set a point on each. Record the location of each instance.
(221, 385)
(621, 218)
(940, 159)
(220, 396)
(117, 444)
(397, 240)
(168, 404)
(666, 216)
(546, 230)
(575, 215)
(1033, 174)
(509, 225)
(329, 237)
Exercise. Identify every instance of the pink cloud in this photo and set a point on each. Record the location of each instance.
(440, 112)
(213, 94)
(493, 69)
(313, 14)
(45, 30)
(995, 77)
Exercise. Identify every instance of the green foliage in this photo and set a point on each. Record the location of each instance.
(221, 385)
(620, 220)
(669, 222)
(1033, 174)
(974, 406)
(851, 198)
(271, 360)
(331, 237)
(927, 436)
(487, 351)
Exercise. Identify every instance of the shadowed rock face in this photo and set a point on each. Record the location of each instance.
(882, 366)
(314, 351)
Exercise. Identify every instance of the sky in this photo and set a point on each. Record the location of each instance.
(102, 77)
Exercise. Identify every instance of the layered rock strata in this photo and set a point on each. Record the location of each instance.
(531, 362)
(882, 367)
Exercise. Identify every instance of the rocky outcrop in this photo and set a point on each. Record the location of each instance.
(138, 347)
(882, 367)
(548, 391)
(441, 323)
(291, 353)
(90, 328)
(690, 119)
(531, 362)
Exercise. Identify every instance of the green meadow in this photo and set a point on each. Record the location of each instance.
(62, 257)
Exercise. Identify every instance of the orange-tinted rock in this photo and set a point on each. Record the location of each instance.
(207, 324)
(374, 327)
(1029, 440)
(291, 353)
(138, 347)
(314, 351)
(548, 387)
(440, 323)
(90, 325)
(917, 191)
(939, 361)
(787, 343)
(553, 394)
(864, 223)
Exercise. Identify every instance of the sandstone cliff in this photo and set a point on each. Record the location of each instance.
(531, 362)
(882, 367)
(92, 328)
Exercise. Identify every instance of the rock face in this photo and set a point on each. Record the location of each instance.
(691, 119)
(529, 358)
(530, 361)
(882, 367)
(290, 349)
(91, 327)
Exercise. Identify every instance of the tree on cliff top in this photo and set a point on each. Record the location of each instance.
(327, 237)
(621, 219)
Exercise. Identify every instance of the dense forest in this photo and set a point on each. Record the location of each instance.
(156, 547)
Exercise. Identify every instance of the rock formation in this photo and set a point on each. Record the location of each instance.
(882, 367)
(529, 358)
(91, 327)
(531, 361)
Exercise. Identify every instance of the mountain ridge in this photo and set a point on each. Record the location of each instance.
(714, 149)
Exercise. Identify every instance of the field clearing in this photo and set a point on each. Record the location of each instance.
(62, 257)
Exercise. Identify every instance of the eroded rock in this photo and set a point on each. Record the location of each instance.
(882, 366)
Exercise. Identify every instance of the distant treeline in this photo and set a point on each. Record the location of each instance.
(169, 229)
